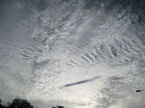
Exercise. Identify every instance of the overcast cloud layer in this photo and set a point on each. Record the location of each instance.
(76, 53)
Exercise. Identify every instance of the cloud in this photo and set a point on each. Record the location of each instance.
(45, 44)
(81, 82)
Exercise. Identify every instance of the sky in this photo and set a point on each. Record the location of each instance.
(75, 53)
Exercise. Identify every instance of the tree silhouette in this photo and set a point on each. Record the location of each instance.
(20, 103)
(58, 107)
(17, 103)
(2, 106)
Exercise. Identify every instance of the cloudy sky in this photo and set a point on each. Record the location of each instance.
(76, 53)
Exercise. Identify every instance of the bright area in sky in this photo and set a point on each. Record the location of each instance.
(76, 53)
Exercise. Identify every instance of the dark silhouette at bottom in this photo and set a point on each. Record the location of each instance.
(21, 103)
(58, 107)
(17, 103)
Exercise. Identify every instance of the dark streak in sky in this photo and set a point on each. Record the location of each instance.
(80, 82)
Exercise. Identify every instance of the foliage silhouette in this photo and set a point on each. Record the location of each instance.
(20, 103)
(17, 103)
(58, 107)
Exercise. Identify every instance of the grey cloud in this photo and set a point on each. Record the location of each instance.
(102, 38)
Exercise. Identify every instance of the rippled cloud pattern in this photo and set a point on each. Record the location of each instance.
(75, 53)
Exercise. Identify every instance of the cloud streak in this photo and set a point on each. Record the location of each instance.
(80, 82)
